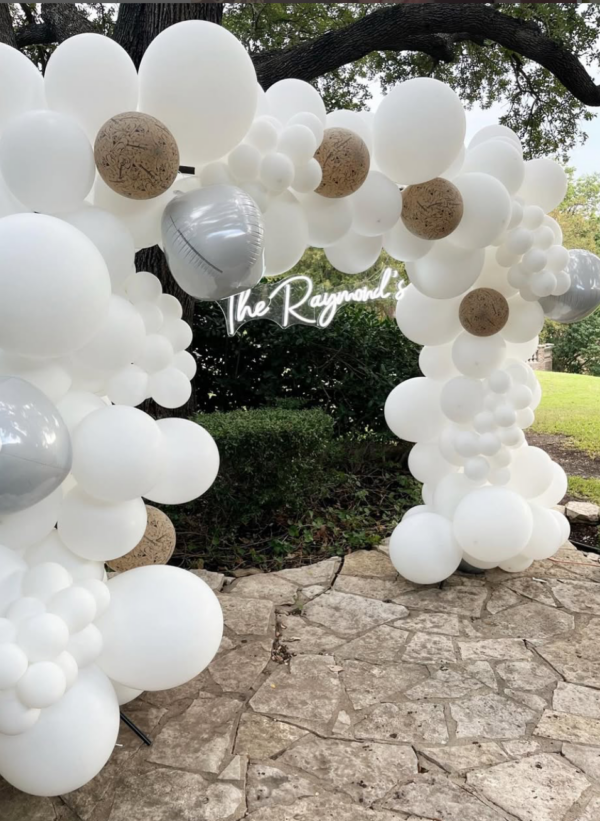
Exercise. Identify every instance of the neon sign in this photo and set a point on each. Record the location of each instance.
(294, 301)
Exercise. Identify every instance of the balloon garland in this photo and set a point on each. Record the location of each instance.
(85, 339)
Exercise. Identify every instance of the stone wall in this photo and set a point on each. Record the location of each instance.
(542, 358)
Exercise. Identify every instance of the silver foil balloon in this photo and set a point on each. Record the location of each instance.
(213, 240)
(35, 446)
(583, 296)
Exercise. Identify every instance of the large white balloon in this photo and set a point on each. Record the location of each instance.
(191, 463)
(70, 742)
(525, 320)
(556, 490)
(446, 271)
(354, 253)
(531, 471)
(98, 530)
(47, 161)
(486, 210)
(199, 80)
(53, 549)
(91, 78)
(544, 185)
(402, 245)
(163, 627)
(423, 549)
(46, 262)
(501, 159)
(427, 321)
(286, 234)
(427, 464)
(142, 218)
(412, 410)
(287, 98)
(410, 145)
(118, 453)
(493, 524)
(21, 530)
(376, 205)
(25, 91)
(461, 399)
(477, 356)
(119, 340)
(110, 236)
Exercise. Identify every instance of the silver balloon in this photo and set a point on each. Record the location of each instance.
(213, 240)
(35, 446)
(583, 296)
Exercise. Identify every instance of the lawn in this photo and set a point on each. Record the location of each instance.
(571, 406)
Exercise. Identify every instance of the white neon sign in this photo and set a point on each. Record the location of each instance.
(294, 302)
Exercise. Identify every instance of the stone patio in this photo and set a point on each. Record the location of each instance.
(344, 693)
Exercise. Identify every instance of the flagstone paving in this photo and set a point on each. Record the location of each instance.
(344, 693)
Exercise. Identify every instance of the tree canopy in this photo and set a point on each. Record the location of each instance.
(535, 59)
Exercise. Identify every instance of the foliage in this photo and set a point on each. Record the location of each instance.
(347, 370)
(576, 347)
(579, 213)
(547, 117)
(587, 489)
(571, 407)
(287, 491)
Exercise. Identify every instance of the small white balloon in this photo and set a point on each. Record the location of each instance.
(354, 253)
(423, 549)
(287, 98)
(461, 399)
(446, 271)
(478, 356)
(486, 210)
(544, 185)
(328, 219)
(427, 321)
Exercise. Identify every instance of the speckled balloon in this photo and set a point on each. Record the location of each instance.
(156, 547)
(432, 209)
(136, 155)
(483, 312)
(344, 160)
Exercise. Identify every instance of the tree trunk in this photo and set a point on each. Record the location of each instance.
(137, 25)
(7, 32)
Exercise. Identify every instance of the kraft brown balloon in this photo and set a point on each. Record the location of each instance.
(432, 209)
(136, 155)
(344, 159)
(156, 547)
(483, 312)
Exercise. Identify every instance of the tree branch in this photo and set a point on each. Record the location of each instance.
(59, 22)
(7, 32)
(433, 29)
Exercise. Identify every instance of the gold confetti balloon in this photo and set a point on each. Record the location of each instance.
(136, 155)
(344, 159)
(483, 312)
(156, 546)
(432, 209)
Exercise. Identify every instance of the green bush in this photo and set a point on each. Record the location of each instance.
(576, 347)
(273, 461)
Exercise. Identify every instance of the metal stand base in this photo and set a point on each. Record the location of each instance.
(139, 733)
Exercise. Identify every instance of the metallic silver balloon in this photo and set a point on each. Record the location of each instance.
(213, 240)
(35, 446)
(583, 296)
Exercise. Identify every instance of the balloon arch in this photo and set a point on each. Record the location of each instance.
(89, 163)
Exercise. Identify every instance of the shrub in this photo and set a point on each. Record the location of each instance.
(576, 347)
(347, 370)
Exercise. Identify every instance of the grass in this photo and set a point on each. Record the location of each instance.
(571, 407)
(586, 489)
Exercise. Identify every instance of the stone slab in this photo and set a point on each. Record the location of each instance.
(349, 615)
(567, 727)
(490, 716)
(405, 723)
(247, 617)
(368, 563)
(322, 573)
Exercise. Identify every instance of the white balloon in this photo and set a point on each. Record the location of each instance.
(352, 121)
(244, 162)
(170, 306)
(498, 158)
(486, 210)
(519, 241)
(199, 61)
(461, 399)
(505, 416)
(525, 320)
(20, 530)
(298, 142)
(446, 271)
(310, 121)
(477, 469)
(307, 177)
(129, 386)
(564, 526)
(42, 637)
(496, 131)
(286, 234)
(544, 185)
(328, 219)
(142, 218)
(191, 463)
(47, 262)
(493, 524)
(449, 492)
(547, 534)
(478, 356)
(125, 694)
(118, 453)
(15, 718)
(156, 353)
(85, 646)
(276, 172)
(287, 98)
(557, 258)
(13, 664)
(263, 135)
(436, 362)
(427, 321)
(402, 245)
(70, 742)
(163, 627)
(151, 315)
(91, 78)
(178, 332)
(216, 173)
(53, 549)
(26, 88)
(47, 161)
(185, 362)
(494, 275)
(423, 549)
(119, 340)
(412, 410)
(68, 665)
(410, 146)
(75, 605)
(427, 464)
(532, 472)
(43, 684)
(110, 236)
(516, 564)
(98, 530)
(170, 388)
(376, 206)
(354, 253)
